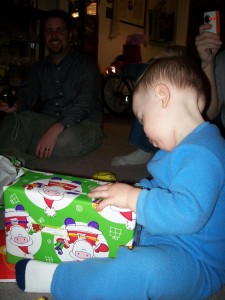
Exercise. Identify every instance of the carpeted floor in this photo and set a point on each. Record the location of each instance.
(115, 143)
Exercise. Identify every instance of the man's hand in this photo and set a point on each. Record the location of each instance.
(47, 142)
(117, 194)
(5, 108)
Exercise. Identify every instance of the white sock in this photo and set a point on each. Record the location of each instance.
(135, 158)
(38, 276)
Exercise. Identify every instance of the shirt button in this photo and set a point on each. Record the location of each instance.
(61, 93)
(57, 103)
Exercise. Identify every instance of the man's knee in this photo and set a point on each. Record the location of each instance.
(78, 141)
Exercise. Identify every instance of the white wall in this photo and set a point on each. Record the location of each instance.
(109, 49)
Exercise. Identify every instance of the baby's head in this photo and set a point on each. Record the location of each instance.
(180, 71)
(171, 87)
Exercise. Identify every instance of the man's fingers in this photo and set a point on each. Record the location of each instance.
(43, 152)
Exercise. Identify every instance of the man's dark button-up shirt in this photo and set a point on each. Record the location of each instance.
(70, 92)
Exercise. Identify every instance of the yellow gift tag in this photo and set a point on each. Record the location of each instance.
(105, 176)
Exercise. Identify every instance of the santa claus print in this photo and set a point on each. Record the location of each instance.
(117, 215)
(18, 238)
(52, 193)
(128, 215)
(86, 241)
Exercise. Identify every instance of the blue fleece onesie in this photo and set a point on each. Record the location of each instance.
(182, 247)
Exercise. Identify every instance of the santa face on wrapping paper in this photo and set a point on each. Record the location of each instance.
(83, 241)
(20, 236)
(18, 239)
(51, 195)
(82, 250)
(51, 192)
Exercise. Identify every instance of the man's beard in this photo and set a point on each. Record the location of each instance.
(55, 51)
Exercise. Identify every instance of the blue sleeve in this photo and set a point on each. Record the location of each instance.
(147, 183)
(186, 201)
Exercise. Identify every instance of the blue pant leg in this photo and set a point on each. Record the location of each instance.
(138, 138)
(163, 272)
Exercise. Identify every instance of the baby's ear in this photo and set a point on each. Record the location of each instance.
(163, 93)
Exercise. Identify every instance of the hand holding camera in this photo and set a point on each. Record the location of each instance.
(208, 41)
(213, 18)
(8, 96)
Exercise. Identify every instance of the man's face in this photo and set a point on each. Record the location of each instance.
(57, 37)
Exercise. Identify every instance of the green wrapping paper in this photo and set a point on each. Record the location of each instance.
(49, 217)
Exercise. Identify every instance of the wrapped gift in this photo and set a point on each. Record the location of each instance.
(50, 217)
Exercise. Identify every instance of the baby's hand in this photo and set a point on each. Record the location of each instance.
(117, 194)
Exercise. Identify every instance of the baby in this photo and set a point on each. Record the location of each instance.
(182, 209)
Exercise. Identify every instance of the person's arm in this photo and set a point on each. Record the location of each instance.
(4, 107)
(29, 90)
(208, 44)
(48, 140)
(8, 101)
(25, 97)
(185, 202)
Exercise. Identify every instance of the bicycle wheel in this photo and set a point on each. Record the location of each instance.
(117, 95)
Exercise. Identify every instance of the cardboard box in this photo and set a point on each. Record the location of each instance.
(49, 217)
